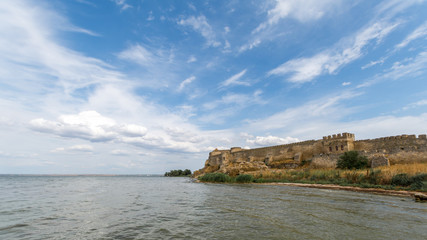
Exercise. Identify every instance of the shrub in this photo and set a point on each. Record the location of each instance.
(260, 180)
(417, 181)
(244, 178)
(374, 177)
(178, 173)
(306, 162)
(419, 177)
(401, 180)
(352, 160)
(215, 177)
(354, 177)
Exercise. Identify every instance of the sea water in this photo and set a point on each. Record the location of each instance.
(137, 207)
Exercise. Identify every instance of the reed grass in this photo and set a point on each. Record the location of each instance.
(392, 177)
(377, 177)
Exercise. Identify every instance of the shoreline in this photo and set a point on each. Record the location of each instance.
(400, 193)
(403, 193)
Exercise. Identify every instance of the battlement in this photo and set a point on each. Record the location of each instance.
(217, 152)
(339, 136)
(398, 137)
(235, 149)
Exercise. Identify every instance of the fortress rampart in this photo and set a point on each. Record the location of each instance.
(380, 151)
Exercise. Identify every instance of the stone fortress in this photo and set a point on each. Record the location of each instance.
(321, 153)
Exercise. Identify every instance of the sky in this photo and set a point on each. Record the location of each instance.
(143, 87)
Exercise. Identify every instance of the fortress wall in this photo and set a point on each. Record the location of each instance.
(405, 157)
(398, 149)
(276, 153)
(279, 149)
(393, 144)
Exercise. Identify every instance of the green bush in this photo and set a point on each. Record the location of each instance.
(354, 177)
(244, 178)
(306, 162)
(178, 173)
(417, 181)
(260, 180)
(352, 160)
(374, 176)
(215, 177)
(401, 180)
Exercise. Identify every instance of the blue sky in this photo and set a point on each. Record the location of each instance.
(147, 86)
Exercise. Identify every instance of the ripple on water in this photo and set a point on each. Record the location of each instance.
(175, 208)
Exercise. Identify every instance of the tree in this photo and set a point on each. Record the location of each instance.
(352, 160)
(178, 173)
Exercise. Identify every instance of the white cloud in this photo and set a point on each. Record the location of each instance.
(201, 25)
(346, 83)
(271, 140)
(131, 130)
(122, 4)
(229, 105)
(329, 61)
(160, 69)
(186, 82)
(137, 54)
(373, 63)
(234, 80)
(75, 149)
(411, 67)
(191, 59)
(420, 103)
(168, 134)
(300, 10)
(236, 100)
(392, 7)
(326, 116)
(120, 152)
(33, 62)
(387, 126)
(420, 32)
(47, 82)
(302, 117)
(150, 16)
(227, 46)
(250, 45)
(88, 125)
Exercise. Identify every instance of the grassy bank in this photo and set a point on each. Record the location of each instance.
(397, 177)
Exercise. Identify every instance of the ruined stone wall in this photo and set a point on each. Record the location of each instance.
(393, 144)
(398, 149)
(323, 153)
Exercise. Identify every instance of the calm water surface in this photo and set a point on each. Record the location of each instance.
(175, 208)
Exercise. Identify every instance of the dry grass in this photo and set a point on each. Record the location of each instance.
(321, 163)
(411, 169)
(382, 175)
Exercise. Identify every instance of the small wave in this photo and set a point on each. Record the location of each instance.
(18, 225)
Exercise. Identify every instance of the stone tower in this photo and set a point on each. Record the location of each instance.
(338, 143)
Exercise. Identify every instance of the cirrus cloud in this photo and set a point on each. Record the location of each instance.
(303, 70)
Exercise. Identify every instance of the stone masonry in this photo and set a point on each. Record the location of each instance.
(380, 152)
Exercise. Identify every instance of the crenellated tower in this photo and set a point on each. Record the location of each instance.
(338, 143)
